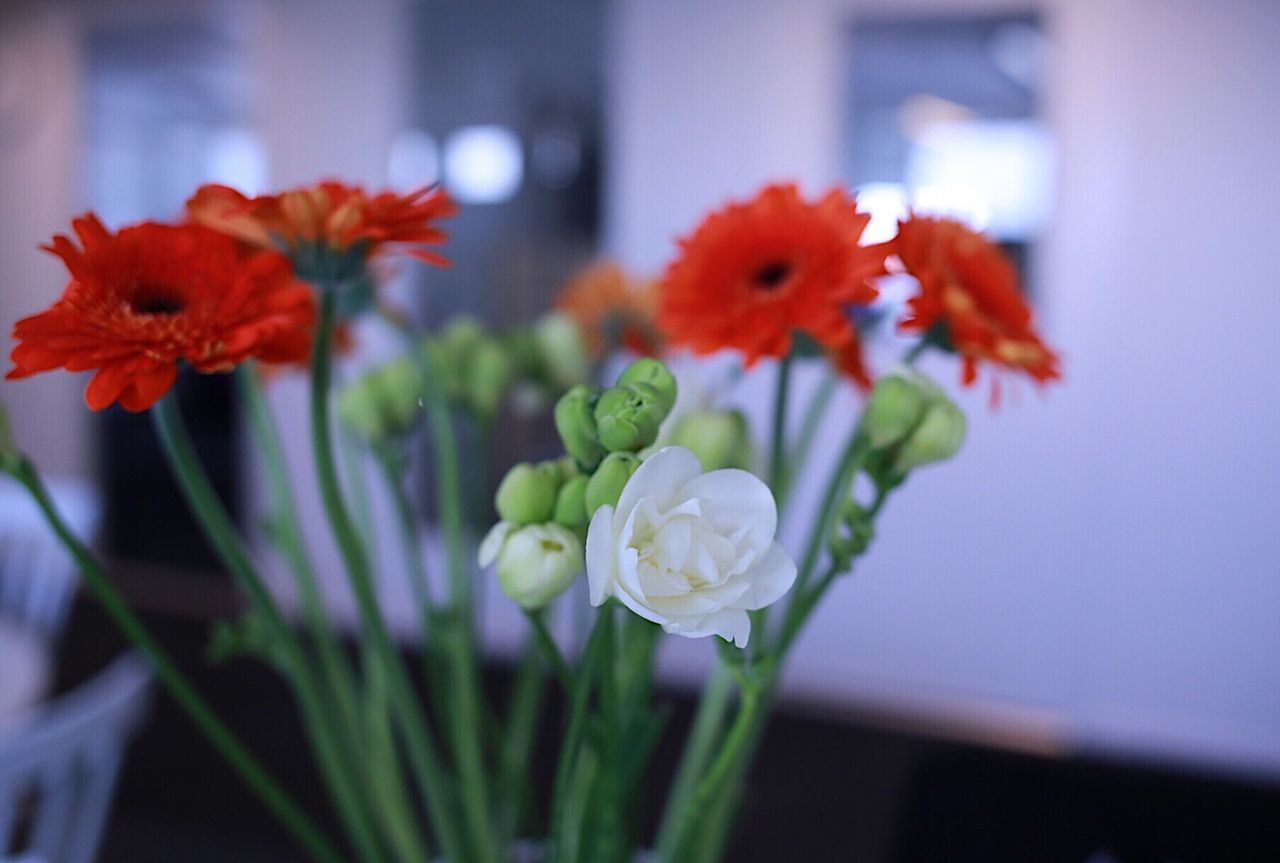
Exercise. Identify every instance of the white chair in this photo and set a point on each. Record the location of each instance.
(58, 766)
(38, 578)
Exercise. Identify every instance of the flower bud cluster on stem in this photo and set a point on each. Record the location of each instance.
(545, 508)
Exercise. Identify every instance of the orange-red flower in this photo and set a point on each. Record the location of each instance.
(611, 310)
(143, 300)
(968, 285)
(752, 273)
(332, 216)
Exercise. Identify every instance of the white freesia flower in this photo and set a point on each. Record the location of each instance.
(536, 563)
(689, 550)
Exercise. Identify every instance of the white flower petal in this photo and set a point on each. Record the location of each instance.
(689, 551)
(733, 500)
(769, 579)
(731, 624)
(493, 540)
(641, 608)
(659, 478)
(600, 556)
(701, 602)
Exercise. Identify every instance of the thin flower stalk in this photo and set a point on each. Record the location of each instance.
(335, 758)
(431, 774)
(250, 770)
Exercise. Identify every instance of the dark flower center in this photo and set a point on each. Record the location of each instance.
(156, 300)
(771, 276)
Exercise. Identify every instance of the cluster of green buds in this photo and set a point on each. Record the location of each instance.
(909, 422)
(472, 365)
(384, 403)
(538, 543)
(545, 508)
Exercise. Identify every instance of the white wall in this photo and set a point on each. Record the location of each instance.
(39, 143)
(1105, 555)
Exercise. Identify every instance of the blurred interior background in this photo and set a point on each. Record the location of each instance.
(1068, 638)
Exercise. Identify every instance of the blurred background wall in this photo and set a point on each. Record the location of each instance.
(1101, 568)
(1106, 551)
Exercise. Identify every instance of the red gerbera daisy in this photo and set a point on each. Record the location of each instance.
(968, 285)
(331, 215)
(151, 296)
(611, 309)
(753, 273)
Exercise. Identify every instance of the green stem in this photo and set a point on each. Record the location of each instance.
(564, 839)
(350, 457)
(707, 722)
(550, 650)
(814, 412)
(331, 750)
(467, 701)
(517, 743)
(288, 535)
(854, 452)
(392, 466)
(910, 357)
(808, 599)
(713, 830)
(778, 445)
(731, 753)
(422, 751)
(275, 798)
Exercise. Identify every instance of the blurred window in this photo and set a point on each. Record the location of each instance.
(956, 135)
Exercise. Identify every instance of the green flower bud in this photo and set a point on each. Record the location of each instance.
(606, 484)
(360, 410)
(628, 417)
(575, 421)
(560, 348)
(522, 349)
(460, 336)
(937, 437)
(895, 406)
(571, 503)
(537, 563)
(447, 372)
(567, 467)
(384, 402)
(719, 439)
(647, 370)
(526, 495)
(488, 375)
(551, 474)
(399, 387)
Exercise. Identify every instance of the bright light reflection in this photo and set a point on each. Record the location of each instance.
(886, 203)
(994, 175)
(483, 164)
(238, 158)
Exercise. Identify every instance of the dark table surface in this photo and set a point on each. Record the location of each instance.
(824, 788)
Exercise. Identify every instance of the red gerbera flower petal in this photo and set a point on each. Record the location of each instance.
(151, 296)
(969, 285)
(753, 273)
(610, 308)
(336, 214)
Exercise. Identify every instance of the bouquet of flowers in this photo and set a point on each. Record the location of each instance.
(658, 506)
